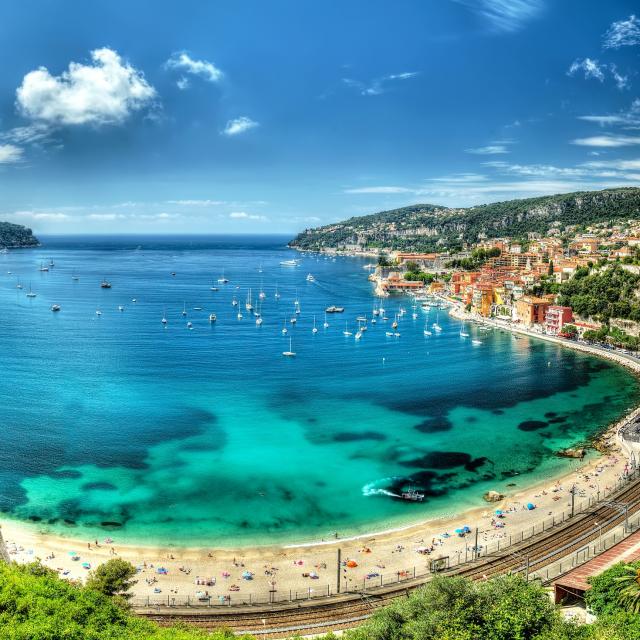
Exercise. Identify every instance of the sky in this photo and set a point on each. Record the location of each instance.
(246, 116)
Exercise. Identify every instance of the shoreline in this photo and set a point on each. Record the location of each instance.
(389, 550)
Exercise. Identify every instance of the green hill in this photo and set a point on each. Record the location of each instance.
(427, 227)
(15, 235)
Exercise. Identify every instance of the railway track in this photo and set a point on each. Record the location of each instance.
(348, 610)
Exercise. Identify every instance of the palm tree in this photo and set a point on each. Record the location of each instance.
(629, 589)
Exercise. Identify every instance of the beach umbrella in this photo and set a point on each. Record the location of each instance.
(466, 529)
(498, 512)
(459, 531)
(86, 565)
(225, 574)
(352, 564)
(247, 575)
(531, 506)
(73, 553)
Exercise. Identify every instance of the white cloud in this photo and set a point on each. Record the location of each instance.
(106, 217)
(624, 33)
(182, 61)
(591, 68)
(622, 165)
(607, 141)
(31, 134)
(622, 82)
(505, 15)
(197, 203)
(377, 86)
(489, 150)
(104, 92)
(242, 215)
(183, 83)
(239, 125)
(10, 154)
(379, 190)
(41, 215)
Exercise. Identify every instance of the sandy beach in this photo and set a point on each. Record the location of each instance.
(171, 574)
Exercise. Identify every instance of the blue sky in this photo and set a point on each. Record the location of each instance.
(254, 116)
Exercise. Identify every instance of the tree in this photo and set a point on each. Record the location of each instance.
(550, 271)
(570, 330)
(604, 596)
(113, 578)
(412, 266)
(383, 260)
(629, 588)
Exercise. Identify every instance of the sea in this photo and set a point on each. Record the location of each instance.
(199, 433)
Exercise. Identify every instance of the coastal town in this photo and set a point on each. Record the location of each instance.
(519, 281)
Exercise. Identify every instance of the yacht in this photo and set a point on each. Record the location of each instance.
(358, 335)
(189, 325)
(222, 280)
(105, 284)
(258, 321)
(55, 307)
(334, 309)
(291, 352)
(212, 318)
(30, 294)
(98, 312)
(120, 307)
(310, 278)
(289, 263)
(476, 342)
(43, 268)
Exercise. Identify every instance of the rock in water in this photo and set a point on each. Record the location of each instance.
(493, 496)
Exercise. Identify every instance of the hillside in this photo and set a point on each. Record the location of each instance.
(15, 235)
(426, 227)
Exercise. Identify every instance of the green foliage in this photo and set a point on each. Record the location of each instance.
(452, 228)
(37, 605)
(603, 597)
(15, 235)
(570, 330)
(505, 608)
(419, 275)
(113, 578)
(383, 261)
(609, 293)
(628, 585)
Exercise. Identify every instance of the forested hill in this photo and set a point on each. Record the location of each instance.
(15, 235)
(426, 227)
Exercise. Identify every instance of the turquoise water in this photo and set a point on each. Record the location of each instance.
(210, 436)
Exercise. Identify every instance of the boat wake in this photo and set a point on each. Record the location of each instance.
(373, 488)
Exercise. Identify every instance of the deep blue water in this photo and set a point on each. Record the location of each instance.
(211, 436)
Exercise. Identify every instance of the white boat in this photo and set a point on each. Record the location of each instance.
(212, 317)
(189, 325)
(19, 285)
(464, 334)
(427, 332)
(310, 278)
(276, 295)
(289, 263)
(222, 280)
(262, 295)
(315, 329)
(55, 307)
(120, 307)
(75, 277)
(51, 262)
(358, 335)
(291, 352)
(325, 324)
(396, 334)
(346, 331)
(184, 309)
(394, 324)
(234, 302)
(30, 294)
(133, 300)
(389, 334)
(239, 314)
(293, 320)
(248, 305)
(98, 312)
(43, 268)
(105, 284)
(258, 321)
(164, 317)
(284, 328)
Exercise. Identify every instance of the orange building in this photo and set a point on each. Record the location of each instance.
(532, 310)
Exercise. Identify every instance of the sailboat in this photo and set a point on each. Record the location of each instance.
(222, 280)
(346, 331)
(212, 318)
(325, 324)
(98, 312)
(74, 277)
(164, 317)
(394, 324)
(463, 333)
(262, 295)
(31, 294)
(435, 326)
(105, 284)
(291, 352)
(476, 342)
(276, 295)
(43, 268)
(189, 325)
(19, 285)
(248, 306)
(234, 302)
(315, 329)
(184, 309)
(284, 328)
